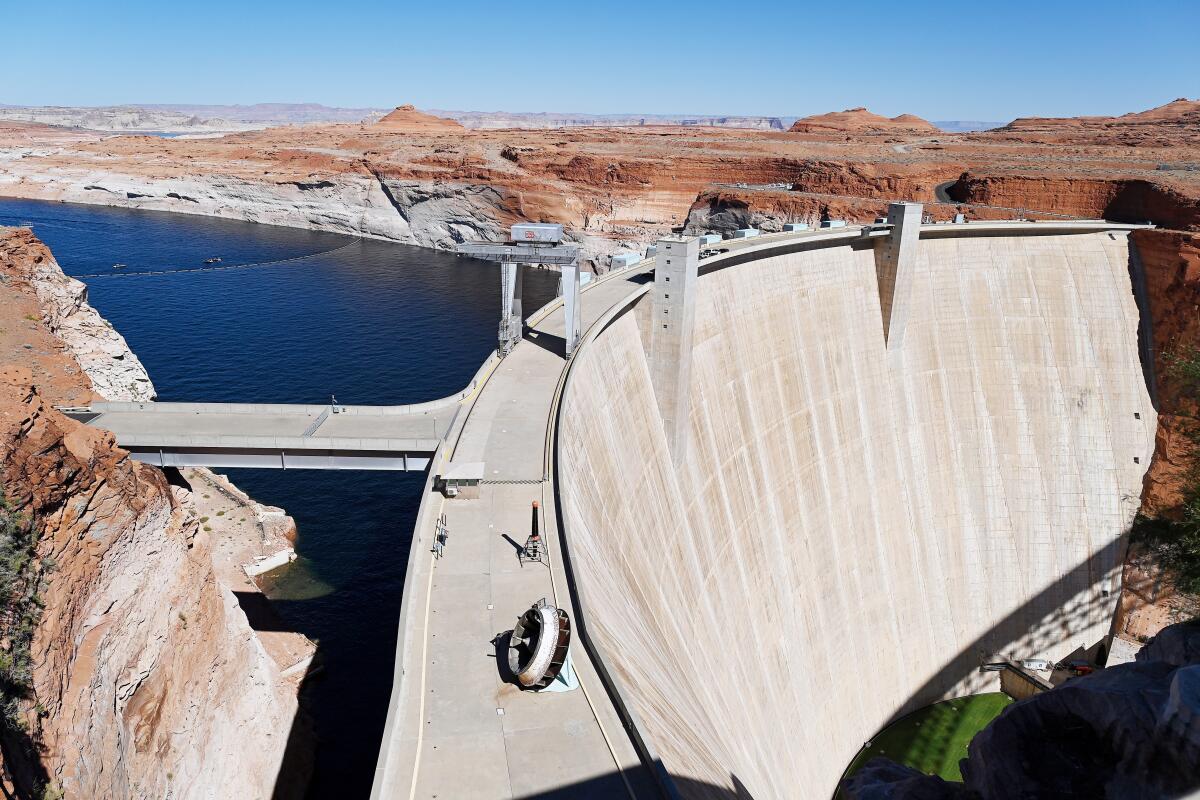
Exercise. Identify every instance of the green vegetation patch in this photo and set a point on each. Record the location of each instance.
(20, 580)
(934, 739)
(21, 577)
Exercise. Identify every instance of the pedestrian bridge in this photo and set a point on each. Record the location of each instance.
(279, 436)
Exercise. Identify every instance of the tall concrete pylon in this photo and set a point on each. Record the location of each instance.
(673, 312)
(894, 268)
(571, 316)
(512, 280)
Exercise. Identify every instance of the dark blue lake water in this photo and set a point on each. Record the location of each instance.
(373, 323)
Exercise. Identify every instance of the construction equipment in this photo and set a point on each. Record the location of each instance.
(531, 243)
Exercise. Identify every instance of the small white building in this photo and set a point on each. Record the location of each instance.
(709, 238)
(746, 233)
(461, 479)
(622, 260)
(792, 227)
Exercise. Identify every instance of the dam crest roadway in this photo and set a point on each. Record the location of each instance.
(455, 727)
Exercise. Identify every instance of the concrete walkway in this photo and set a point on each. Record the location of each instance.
(468, 733)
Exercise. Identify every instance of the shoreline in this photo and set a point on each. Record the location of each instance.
(417, 213)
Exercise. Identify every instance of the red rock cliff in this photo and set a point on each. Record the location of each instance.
(146, 679)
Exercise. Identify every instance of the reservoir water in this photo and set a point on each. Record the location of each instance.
(370, 322)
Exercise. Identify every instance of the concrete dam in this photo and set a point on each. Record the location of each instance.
(788, 488)
(851, 519)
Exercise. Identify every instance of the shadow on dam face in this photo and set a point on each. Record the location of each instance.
(855, 527)
(1013, 628)
(611, 785)
(1057, 626)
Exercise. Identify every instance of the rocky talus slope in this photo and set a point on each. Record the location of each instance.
(145, 677)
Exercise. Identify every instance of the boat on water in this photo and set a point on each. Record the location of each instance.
(213, 260)
(118, 266)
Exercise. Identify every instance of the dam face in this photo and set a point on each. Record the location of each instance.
(853, 528)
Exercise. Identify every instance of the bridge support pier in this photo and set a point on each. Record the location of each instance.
(894, 265)
(672, 320)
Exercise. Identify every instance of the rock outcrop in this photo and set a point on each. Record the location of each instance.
(146, 679)
(861, 121)
(1118, 199)
(100, 351)
(1129, 731)
(1170, 261)
(407, 118)
(1174, 122)
(1132, 730)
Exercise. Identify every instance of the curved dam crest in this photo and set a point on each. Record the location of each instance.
(854, 528)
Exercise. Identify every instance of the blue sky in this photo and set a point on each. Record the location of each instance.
(940, 60)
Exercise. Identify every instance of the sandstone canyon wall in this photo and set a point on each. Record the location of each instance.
(416, 178)
(1117, 199)
(145, 678)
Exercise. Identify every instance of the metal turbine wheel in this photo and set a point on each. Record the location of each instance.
(538, 645)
